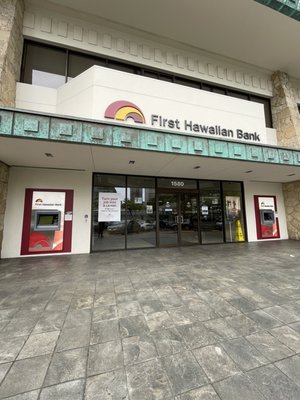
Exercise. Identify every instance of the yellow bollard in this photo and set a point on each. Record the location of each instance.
(239, 236)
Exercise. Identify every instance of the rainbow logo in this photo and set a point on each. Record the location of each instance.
(122, 110)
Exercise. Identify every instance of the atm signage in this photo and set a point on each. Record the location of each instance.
(123, 110)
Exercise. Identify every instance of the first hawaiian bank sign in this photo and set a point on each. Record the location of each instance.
(126, 111)
(163, 106)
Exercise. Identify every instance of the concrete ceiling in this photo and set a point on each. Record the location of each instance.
(31, 153)
(239, 29)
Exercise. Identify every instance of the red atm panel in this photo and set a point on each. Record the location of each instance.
(47, 221)
(267, 224)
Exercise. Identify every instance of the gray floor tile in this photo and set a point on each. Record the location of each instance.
(242, 324)
(168, 297)
(10, 347)
(184, 372)
(264, 320)
(39, 344)
(76, 318)
(104, 299)
(105, 331)
(148, 381)
(33, 395)
(3, 370)
(66, 366)
(295, 326)
(196, 335)
(72, 338)
(168, 341)
(133, 326)
(201, 310)
(50, 321)
(287, 336)
(221, 329)
(244, 354)
(282, 314)
(238, 387)
(138, 349)
(219, 305)
(273, 384)
(24, 376)
(181, 316)
(105, 357)
(108, 386)
(216, 362)
(129, 309)
(159, 320)
(203, 393)
(291, 367)
(269, 346)
(64, 391)
(104, 312)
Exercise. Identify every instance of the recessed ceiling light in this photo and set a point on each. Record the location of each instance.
(49, 155)
(131, 162)
(249, 172)
(291, 174)
(197, 167)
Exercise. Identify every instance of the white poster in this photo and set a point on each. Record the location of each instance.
(109, 207)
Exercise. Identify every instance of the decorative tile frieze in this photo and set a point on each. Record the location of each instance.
(35, 126)
(16, 123)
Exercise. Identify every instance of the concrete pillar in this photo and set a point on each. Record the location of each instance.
(11, 45)
(285, 112)
(286, 121)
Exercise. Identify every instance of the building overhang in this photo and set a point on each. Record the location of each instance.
(41, 140)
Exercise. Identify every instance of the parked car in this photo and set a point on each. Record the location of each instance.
(119, 227)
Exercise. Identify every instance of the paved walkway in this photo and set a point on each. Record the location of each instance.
(198, 323)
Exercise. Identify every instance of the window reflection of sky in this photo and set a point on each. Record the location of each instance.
(41, 78)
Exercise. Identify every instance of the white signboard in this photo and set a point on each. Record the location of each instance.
(266, 203)
(109, 207)
(118, 97)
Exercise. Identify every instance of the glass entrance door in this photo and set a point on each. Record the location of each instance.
(178, 219)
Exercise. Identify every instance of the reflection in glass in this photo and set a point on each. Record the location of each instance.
(211, 222)
(234, 215)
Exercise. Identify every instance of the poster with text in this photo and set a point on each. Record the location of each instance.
(109, 207)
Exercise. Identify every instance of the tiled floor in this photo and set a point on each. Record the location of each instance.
(195, 323)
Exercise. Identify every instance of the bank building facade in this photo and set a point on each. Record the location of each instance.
(147, 124)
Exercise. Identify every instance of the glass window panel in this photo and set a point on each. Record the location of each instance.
(233, 211)
(238, 95)
(219, 90)
(121, 67)
(44, 65)
(109, 180)
(187, 82)
(109, 234)
(206, 87)
(267, 108)
(141, 216)
(140, 181)
(78, 63)
(211, 220)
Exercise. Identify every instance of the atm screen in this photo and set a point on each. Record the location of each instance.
(267, 217)
(47, 220)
